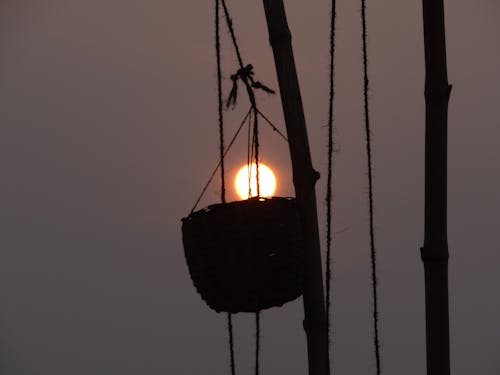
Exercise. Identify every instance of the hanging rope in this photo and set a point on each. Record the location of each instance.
(231, 342)
(230, 27)
(249, 155)
(257, 342)
(370, 187)
(256, 147)
(329, 188)
(245, 74)
(219, 101)
(222, 172)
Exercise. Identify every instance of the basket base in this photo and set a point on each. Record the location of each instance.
(245, 256)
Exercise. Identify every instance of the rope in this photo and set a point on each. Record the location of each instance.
(257, 341)
(249, 156)
(231, 342)
(256, 146)
(219, 100)
(329, 190)
(370, 188)
(222, 154)
(253, 150)
(230, 27)
(229, 22)
(245, 74)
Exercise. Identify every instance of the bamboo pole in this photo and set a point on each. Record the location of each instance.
(435, 250)
(304, 178)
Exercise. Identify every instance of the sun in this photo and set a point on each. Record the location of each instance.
(267, 181)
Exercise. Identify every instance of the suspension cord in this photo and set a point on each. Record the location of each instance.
(329, 188)
(231, 342)
(249, 155)
(245, 74)
(256, 146)
(370, 188)
(230, 27)
(219, 101)
(257, 342)
(229, 22)
(222, 172)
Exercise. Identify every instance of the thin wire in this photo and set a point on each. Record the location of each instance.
(329, 189)
(373, 254)
(218, 165)
(272, 125)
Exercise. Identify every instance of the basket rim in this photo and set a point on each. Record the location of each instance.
(243, 202)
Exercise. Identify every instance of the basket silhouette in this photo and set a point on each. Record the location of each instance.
(245, 256)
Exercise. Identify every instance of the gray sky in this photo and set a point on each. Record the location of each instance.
(108, 133)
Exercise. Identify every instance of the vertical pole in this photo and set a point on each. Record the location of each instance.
(304, 178)
(435, 250)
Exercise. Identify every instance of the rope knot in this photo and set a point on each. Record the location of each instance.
(245, 74)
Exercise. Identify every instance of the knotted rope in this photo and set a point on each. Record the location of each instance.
(245, 74)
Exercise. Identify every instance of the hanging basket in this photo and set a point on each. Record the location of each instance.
(245, 256)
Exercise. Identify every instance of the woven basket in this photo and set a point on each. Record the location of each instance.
(245, 256)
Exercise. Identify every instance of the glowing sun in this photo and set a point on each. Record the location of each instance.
(267, 181)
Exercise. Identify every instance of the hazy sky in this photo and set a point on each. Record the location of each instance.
(108, 133)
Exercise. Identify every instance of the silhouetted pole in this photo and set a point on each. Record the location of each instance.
(435, 249)
(304, 179)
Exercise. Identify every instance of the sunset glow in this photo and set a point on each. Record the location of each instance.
(267, 181)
